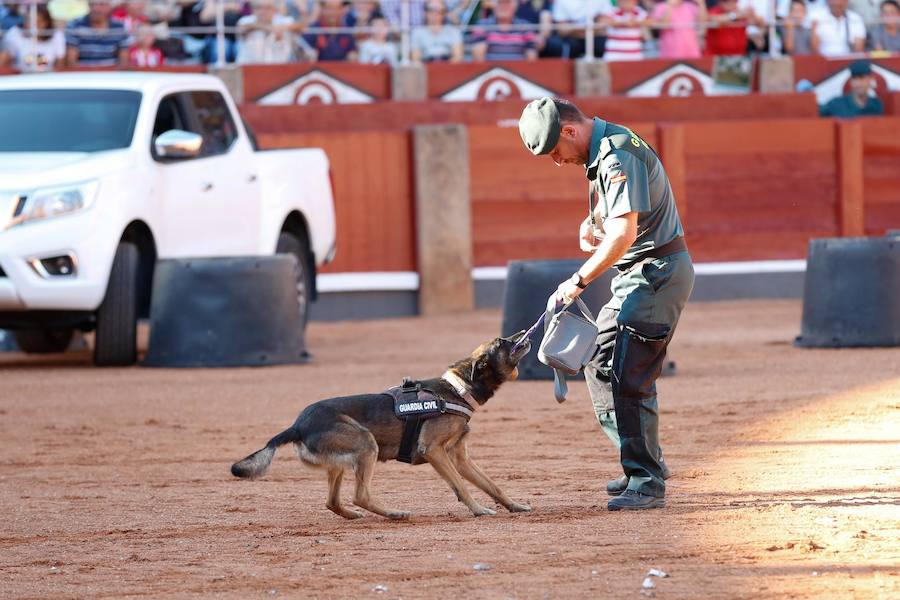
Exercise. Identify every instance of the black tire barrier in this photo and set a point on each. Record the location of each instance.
(851, 294)
(225, 312)
(528, 285)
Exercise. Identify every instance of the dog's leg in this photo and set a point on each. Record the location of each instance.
(335, 475)
(440, 460)
(472, 472)
(365, 469)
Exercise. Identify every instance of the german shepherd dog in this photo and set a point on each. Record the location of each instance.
(353, 432)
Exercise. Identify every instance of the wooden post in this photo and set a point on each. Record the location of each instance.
(850, 199)
(443, 219)
(672, 151)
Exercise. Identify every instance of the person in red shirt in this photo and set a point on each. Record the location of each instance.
(727, 34)
(130, 14)
(143, 53)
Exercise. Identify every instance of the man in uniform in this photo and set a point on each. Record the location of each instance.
(634, 227)
(859, 102)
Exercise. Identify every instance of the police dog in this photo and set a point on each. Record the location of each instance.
(354, 432)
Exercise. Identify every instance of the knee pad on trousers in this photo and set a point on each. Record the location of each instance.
(637, 363)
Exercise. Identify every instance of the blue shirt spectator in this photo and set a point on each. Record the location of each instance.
(332, 46)
(499, 40)
(95, 40)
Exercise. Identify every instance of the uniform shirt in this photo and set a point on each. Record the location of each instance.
(504, 45)
(844, 106)
(625, 43)
(627, 176)
(97, 47)
(836, 34)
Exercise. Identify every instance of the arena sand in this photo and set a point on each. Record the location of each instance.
(115, 482)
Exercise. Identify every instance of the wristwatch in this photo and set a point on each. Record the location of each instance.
(578, 280)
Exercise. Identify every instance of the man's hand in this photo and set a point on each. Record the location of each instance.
(567, 291)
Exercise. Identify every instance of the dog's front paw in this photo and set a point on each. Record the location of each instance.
(481, 511)
(516, 507)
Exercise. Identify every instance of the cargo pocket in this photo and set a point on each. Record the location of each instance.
(637, 363)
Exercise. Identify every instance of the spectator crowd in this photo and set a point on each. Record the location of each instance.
(147, 33)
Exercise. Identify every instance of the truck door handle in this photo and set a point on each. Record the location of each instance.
(251, 178)
(207, 186)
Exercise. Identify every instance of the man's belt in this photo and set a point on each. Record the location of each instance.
(669, 248)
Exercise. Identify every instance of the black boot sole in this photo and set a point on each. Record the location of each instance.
(658, 503)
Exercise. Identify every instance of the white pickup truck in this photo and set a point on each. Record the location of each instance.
(102, 174)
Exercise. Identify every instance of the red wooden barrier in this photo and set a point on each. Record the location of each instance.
(373, 196)
(881, 172)
(402, 115)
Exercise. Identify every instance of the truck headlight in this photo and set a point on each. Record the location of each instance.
(52, 202)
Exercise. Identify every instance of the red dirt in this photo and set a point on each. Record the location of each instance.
(115, 482)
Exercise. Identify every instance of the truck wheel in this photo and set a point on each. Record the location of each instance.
(288, 243)
(44, 341)
(115, 341)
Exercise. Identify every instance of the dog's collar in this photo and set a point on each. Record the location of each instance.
(459, 386)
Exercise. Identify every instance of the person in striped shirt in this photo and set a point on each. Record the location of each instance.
(624, 31)
(499, 40)
(96, 40)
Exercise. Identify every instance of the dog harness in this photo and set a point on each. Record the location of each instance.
(414, 404)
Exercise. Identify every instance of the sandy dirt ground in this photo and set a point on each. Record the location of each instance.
(115, 483)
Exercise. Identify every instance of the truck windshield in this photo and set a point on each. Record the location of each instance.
(67, 120)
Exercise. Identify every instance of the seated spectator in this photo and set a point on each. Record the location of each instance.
(391, 10)
(797, 31)
(727, 33)
(538, 13)
(625, 31)
(886, 36)
(500, 41)
(677, 21)
(144, 52)
(265, 36)
(569, 19)
(44, 53)
(860, 101)
(377, 49)
(838, 30)
(757, 14)
(96, 40)
(436, 41)
(332, 46)
(130, 14)
(234, 10)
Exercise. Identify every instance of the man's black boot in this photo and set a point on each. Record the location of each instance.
(616, 486)
(632, 500)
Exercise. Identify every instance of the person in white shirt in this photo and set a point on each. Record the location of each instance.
(377, 49)
(569, 20)
(29, 54)
(265, 37)
(839, 31)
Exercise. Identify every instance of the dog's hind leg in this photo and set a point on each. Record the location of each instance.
(335, 475)
(471, 471)
(365, 469)
(440, 460)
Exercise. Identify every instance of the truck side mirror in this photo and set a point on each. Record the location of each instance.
(177, 143)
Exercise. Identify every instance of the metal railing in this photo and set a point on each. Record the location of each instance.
(220, 31)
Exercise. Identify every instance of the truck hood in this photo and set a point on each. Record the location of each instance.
(23, 171)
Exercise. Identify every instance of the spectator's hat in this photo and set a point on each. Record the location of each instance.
(539, 126)
(860, 68)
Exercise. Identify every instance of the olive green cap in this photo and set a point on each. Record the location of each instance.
(539, 126)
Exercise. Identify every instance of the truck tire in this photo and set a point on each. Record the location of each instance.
(288, 243)
(44, 341)
(115, 341)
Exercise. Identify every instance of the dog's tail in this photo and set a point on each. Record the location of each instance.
(258, 463)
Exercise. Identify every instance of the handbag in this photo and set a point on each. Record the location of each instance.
(570, 340)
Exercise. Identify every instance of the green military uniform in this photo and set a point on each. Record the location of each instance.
(845, 106)
(649, 294)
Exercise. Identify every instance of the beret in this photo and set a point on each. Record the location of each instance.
(860, 68)
(539, 126)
